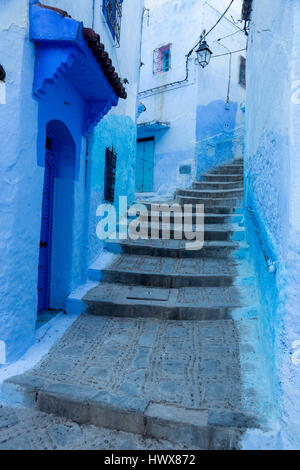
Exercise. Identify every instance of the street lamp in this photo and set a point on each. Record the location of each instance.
(203, 54)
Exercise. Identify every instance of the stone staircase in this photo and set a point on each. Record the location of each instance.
(162, 279)
(169, 345)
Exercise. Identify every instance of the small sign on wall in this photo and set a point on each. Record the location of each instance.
(2, 93)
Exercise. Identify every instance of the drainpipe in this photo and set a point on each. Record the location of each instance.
(93, 21)
(230, 70)
(140, 56)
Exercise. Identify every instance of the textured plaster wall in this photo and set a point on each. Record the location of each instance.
(22, 139)
(219, 133)
(184, 106)
(272, 189)
(20, 183)
(120, 133)
(215, 132)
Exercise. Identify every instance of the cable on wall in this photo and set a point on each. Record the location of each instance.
(179, 82)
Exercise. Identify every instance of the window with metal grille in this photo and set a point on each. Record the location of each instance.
(162, 59)
(242, 77)
(110, 174)
(112, 10)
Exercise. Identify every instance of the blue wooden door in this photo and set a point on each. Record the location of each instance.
(145, 165)
(44, 274)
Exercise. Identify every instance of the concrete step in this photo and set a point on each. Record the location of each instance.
(177, 231)
(185, 303)
(204, 429)
(210, 202)
(229, 178)
(125, 380)
(156, 210)
(211, 193)
(178, 248)
(229, 169)
(209, 218)
(175, 273)
(204, 185)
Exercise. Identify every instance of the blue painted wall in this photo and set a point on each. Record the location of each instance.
(273, 191)
(186, 106)
(120, 133)
(20, 184)
(80, 178)
(215, 129)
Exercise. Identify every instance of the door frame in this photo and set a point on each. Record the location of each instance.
(45, 252)
(147, 139)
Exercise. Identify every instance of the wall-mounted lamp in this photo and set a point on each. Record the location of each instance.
(203, 52)
(2, 74)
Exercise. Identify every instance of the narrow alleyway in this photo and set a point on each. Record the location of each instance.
(170, 344)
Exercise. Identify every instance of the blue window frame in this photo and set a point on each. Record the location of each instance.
(112, 10)
(162, 59)
(166, 61)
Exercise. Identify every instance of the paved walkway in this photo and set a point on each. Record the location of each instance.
(170, 345)
(29, 429)
(191, 364)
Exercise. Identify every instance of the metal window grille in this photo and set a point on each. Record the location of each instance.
(110, 174)
(112, 10)
(242, 78)
(162, 59)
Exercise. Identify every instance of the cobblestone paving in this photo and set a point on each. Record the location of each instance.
(27, 429)
(152, 264)
(184, 296)
(192, 364)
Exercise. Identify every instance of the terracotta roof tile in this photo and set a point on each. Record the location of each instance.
(58, 10)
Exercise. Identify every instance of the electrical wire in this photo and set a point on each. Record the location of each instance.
(230, 70)
(202, 38)
(229, 35)
(227, 53)
(221, 17)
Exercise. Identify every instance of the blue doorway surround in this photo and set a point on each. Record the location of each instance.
(44, 274)
(76, 85)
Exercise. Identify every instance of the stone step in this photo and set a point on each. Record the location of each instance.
(177, 380)
(178, 248)
(223, 218)
(211, 193)
(210, 202)
(213, 209)
(175, 273)
(209, 218)
(222, 178)
(177, 231)
(229, 169)
(185, 303)
(204, 185)
(209, 427)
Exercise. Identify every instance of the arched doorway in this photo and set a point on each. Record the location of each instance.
(55, 257)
